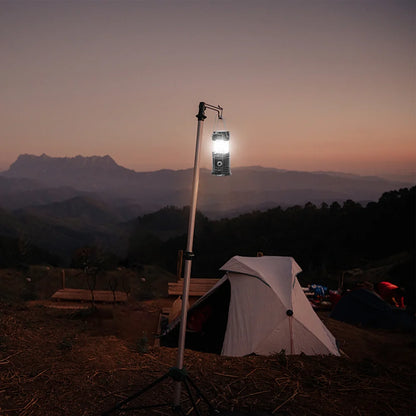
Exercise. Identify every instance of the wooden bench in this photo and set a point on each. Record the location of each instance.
(84, 295)
(197, 287)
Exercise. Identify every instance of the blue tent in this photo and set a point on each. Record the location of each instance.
(365, 307)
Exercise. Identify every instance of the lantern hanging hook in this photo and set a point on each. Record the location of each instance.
(204, 106)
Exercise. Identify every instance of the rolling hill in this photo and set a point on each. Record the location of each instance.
(38, 180)
(62, 204)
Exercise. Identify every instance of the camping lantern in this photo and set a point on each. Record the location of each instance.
(221, 153)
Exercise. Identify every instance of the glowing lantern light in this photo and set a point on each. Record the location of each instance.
(221, 153)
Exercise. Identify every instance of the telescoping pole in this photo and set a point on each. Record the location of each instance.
(189, 254)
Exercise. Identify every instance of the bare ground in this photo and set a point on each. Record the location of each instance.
(60, 362)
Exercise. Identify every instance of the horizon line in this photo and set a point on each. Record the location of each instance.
(408, 173)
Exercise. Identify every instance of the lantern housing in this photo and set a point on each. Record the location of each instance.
(221, 153)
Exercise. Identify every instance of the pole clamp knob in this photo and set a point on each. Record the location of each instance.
(188, 255)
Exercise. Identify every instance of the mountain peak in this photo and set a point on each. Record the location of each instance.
(85, 173)
(104, 161)
(26, 163)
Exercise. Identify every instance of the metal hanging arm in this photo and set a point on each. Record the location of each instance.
(203, 106)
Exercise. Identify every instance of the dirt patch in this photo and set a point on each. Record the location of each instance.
(73, 362)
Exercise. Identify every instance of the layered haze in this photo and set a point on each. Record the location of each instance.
(61, 205)
(37, 180)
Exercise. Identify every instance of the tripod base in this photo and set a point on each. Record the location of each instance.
(178, 375)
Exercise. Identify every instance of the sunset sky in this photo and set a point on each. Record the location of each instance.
(305, 84)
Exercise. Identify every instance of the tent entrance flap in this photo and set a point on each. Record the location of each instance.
(206, 323)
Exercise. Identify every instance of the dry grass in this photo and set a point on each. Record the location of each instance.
(54, 362)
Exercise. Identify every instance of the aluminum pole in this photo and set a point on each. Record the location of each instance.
(188, 260)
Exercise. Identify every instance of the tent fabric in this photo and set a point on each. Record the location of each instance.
(268, 311)
(365, 307)
(253, 314)
(277, 272)
(258, 321)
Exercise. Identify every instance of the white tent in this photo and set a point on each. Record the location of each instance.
(267, 310)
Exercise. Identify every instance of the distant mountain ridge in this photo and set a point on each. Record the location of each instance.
(37, 180)
(84, 173)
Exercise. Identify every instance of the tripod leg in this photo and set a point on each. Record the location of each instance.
(133, 396)
(191, 397)
(212, 409)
